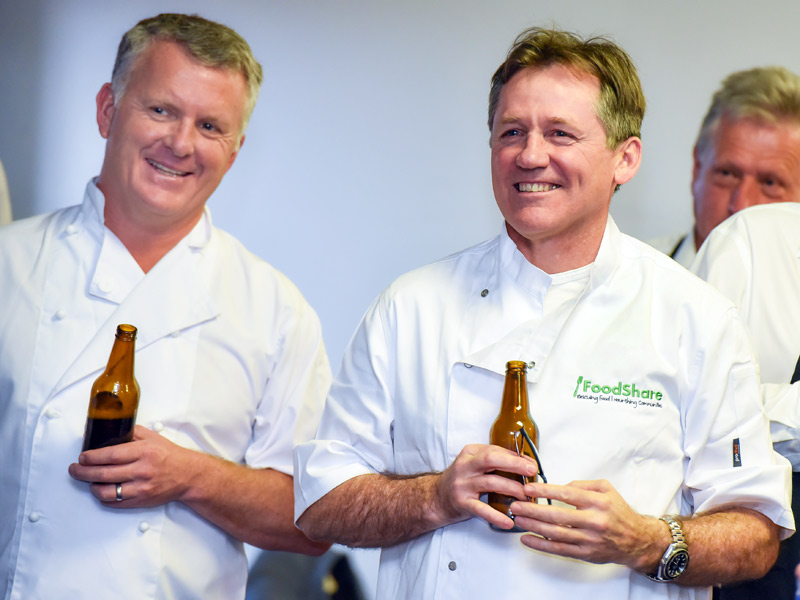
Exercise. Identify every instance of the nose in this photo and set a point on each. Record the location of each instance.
(533, 154)
(747, 193)
(180, 138)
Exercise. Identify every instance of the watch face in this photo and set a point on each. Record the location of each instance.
(677, 564)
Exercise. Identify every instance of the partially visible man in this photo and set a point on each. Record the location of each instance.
(642, 382)
(229, 356)
(747, 153)
(753, 258)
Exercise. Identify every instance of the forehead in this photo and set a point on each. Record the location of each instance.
(165, 68)
(757, 142)
(554, 88)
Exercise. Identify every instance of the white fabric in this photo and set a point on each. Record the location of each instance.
(679, 247)
(230, 362)
(5, 198)
(423, 377)
(753, 258)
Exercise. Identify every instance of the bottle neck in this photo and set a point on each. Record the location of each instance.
(515, 393)
(120, 361)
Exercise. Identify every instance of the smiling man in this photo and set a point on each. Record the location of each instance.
(229, 357)
(640, 488)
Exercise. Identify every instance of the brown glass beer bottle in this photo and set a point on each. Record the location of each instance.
(115, 396)
(514, 415)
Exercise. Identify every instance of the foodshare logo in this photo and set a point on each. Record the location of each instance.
(628, 394)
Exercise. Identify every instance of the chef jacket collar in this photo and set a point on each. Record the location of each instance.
(532, 341)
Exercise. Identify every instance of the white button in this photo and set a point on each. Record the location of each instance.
(175, 334)
(105, 285)
(60, 314)
(158, 426)
(71, 229)
(34, 516)
(144, 526)
(51, 413)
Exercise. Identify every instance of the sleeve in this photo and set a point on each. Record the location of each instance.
(782, 402)
(291, 404)
(724, 261)
(354, 436)
(731, 461)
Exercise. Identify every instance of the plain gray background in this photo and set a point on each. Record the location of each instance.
(367, 154)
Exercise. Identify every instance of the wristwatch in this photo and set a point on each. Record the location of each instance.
(676, 557)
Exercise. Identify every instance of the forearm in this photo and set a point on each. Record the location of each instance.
(732, 545)
(253, 505)
(375, 511)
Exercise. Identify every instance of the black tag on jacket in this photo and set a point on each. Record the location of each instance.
(737, 453)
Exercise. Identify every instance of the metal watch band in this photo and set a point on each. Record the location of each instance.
(676, 557)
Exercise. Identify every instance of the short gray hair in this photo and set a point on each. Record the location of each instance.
(211, 43)
(769, 94)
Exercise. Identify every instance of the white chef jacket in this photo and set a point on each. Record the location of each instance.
(679, 247)
(230, 361)
(753, 258)
(644, 379)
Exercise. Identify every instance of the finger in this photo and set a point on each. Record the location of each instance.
(568, 494)
(110, 455)
(487, 513)
(107, 494)
(142, 433)
(500, 459)
(552, 546)
(99, 474)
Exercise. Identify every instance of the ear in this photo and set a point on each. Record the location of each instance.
(629, 156)
(236, 153)
(105, 109)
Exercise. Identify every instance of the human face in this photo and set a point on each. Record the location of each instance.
(552, 174)
(170, 139)
(746, 162)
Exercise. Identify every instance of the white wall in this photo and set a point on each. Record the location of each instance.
(367, 154)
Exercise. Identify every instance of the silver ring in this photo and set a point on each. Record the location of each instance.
(119, 492)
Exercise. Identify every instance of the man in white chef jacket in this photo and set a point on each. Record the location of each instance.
(753, 258)
(641, 381)
(229, 355)
(747, 153)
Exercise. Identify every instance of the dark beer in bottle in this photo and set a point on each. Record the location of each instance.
(514, 416)
(115, 396)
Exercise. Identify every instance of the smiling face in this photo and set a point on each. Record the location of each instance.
(170, 139)
(552, 174)
(746, 162)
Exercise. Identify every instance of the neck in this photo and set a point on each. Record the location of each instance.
(147, 246)
(557, 254)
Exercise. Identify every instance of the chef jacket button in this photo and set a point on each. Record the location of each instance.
(452, 565)
(158, 426)
(144, 526)
(174, 334)
(71, 229)
(34, 516)
(484, 293)
(51, 413)
(60, 314)
(105, 285)
(531, 364)
(467, 365)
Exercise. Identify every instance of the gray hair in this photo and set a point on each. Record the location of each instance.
(769, 94)
(213, 44)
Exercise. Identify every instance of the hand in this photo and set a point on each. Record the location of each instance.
(458, 489)
(603, 529)
(151, 469)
